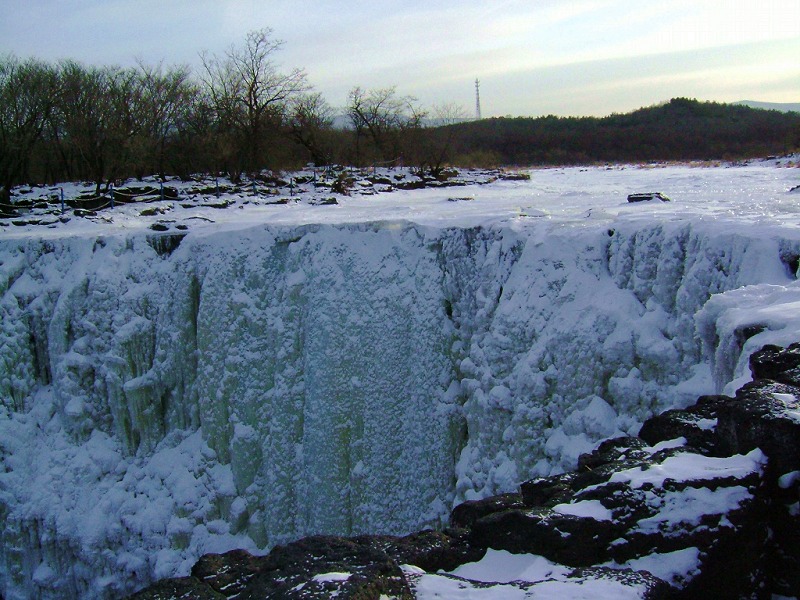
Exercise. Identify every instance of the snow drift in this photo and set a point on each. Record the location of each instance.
(166, 396)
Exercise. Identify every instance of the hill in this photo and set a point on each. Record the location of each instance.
(681, 129)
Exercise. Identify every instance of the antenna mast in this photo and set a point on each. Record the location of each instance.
(477, 100)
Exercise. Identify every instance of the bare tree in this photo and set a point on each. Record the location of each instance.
(165, 97)
(96, 119)
(311, 124)
(436, 146)
(384, 118)
(250, 94)
(27, 98)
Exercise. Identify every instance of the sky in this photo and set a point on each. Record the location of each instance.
(534, 57)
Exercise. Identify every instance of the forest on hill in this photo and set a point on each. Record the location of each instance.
(681, 129)
(241, 114)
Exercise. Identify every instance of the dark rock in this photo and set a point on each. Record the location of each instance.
(466, 513)
(296, 570)
(764, 415)
(80, 212)
(152, 211)
(515, 176)
(638, 502)
(415, 184)
(778, 364)
(432, 550)
(697, 424)
(219, 205)
(566, 539)
(647, 196)
(299, 569)
(183, 588)
(610, 451)
(378, 180)
(229, 572)
(545, 491)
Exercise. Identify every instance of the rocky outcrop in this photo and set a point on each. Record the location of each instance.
(704, 503)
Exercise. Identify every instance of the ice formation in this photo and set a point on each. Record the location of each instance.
(164, 397)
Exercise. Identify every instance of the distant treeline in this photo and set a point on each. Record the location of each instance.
(240, 114)
(681, 129)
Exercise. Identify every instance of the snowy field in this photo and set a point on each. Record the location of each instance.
(753, 194)
(289, 369)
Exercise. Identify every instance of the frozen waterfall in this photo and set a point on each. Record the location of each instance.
(164, 397)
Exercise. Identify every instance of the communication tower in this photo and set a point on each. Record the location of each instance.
(477, 100)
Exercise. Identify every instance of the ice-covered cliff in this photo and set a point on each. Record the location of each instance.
(167, 395)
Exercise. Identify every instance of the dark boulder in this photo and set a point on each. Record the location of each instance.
(647, 196)
(776, 363)
(697, 424)
(308, 568)
(565, 539)
(432, 550)
(466, 513)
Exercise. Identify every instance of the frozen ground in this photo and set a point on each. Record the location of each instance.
(287, 369)
(752, 194)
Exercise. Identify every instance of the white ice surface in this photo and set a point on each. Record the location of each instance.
(295, 369)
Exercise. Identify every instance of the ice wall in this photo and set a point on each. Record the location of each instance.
(163, 397)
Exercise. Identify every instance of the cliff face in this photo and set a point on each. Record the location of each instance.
(703, 503)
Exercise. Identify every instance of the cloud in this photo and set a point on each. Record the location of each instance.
(530, 56)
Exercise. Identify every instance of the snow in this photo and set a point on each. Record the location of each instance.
(676, 567)
(689, 466)
(501, 566)
(331, 577)
(589, 509)
(689, 506)
(430, 587)
(362, 367)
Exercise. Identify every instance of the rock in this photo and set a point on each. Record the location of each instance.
(778, 364)
(697, 424)
(647, 196)
(466, 513)
(227, 573)
(675, 501)
(183, 588)
(764, 415)
(314, 567)
(433, 550)
(566, 539)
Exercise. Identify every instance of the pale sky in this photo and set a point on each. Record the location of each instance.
(535, 57)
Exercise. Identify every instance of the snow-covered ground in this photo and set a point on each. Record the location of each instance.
(288, 369)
